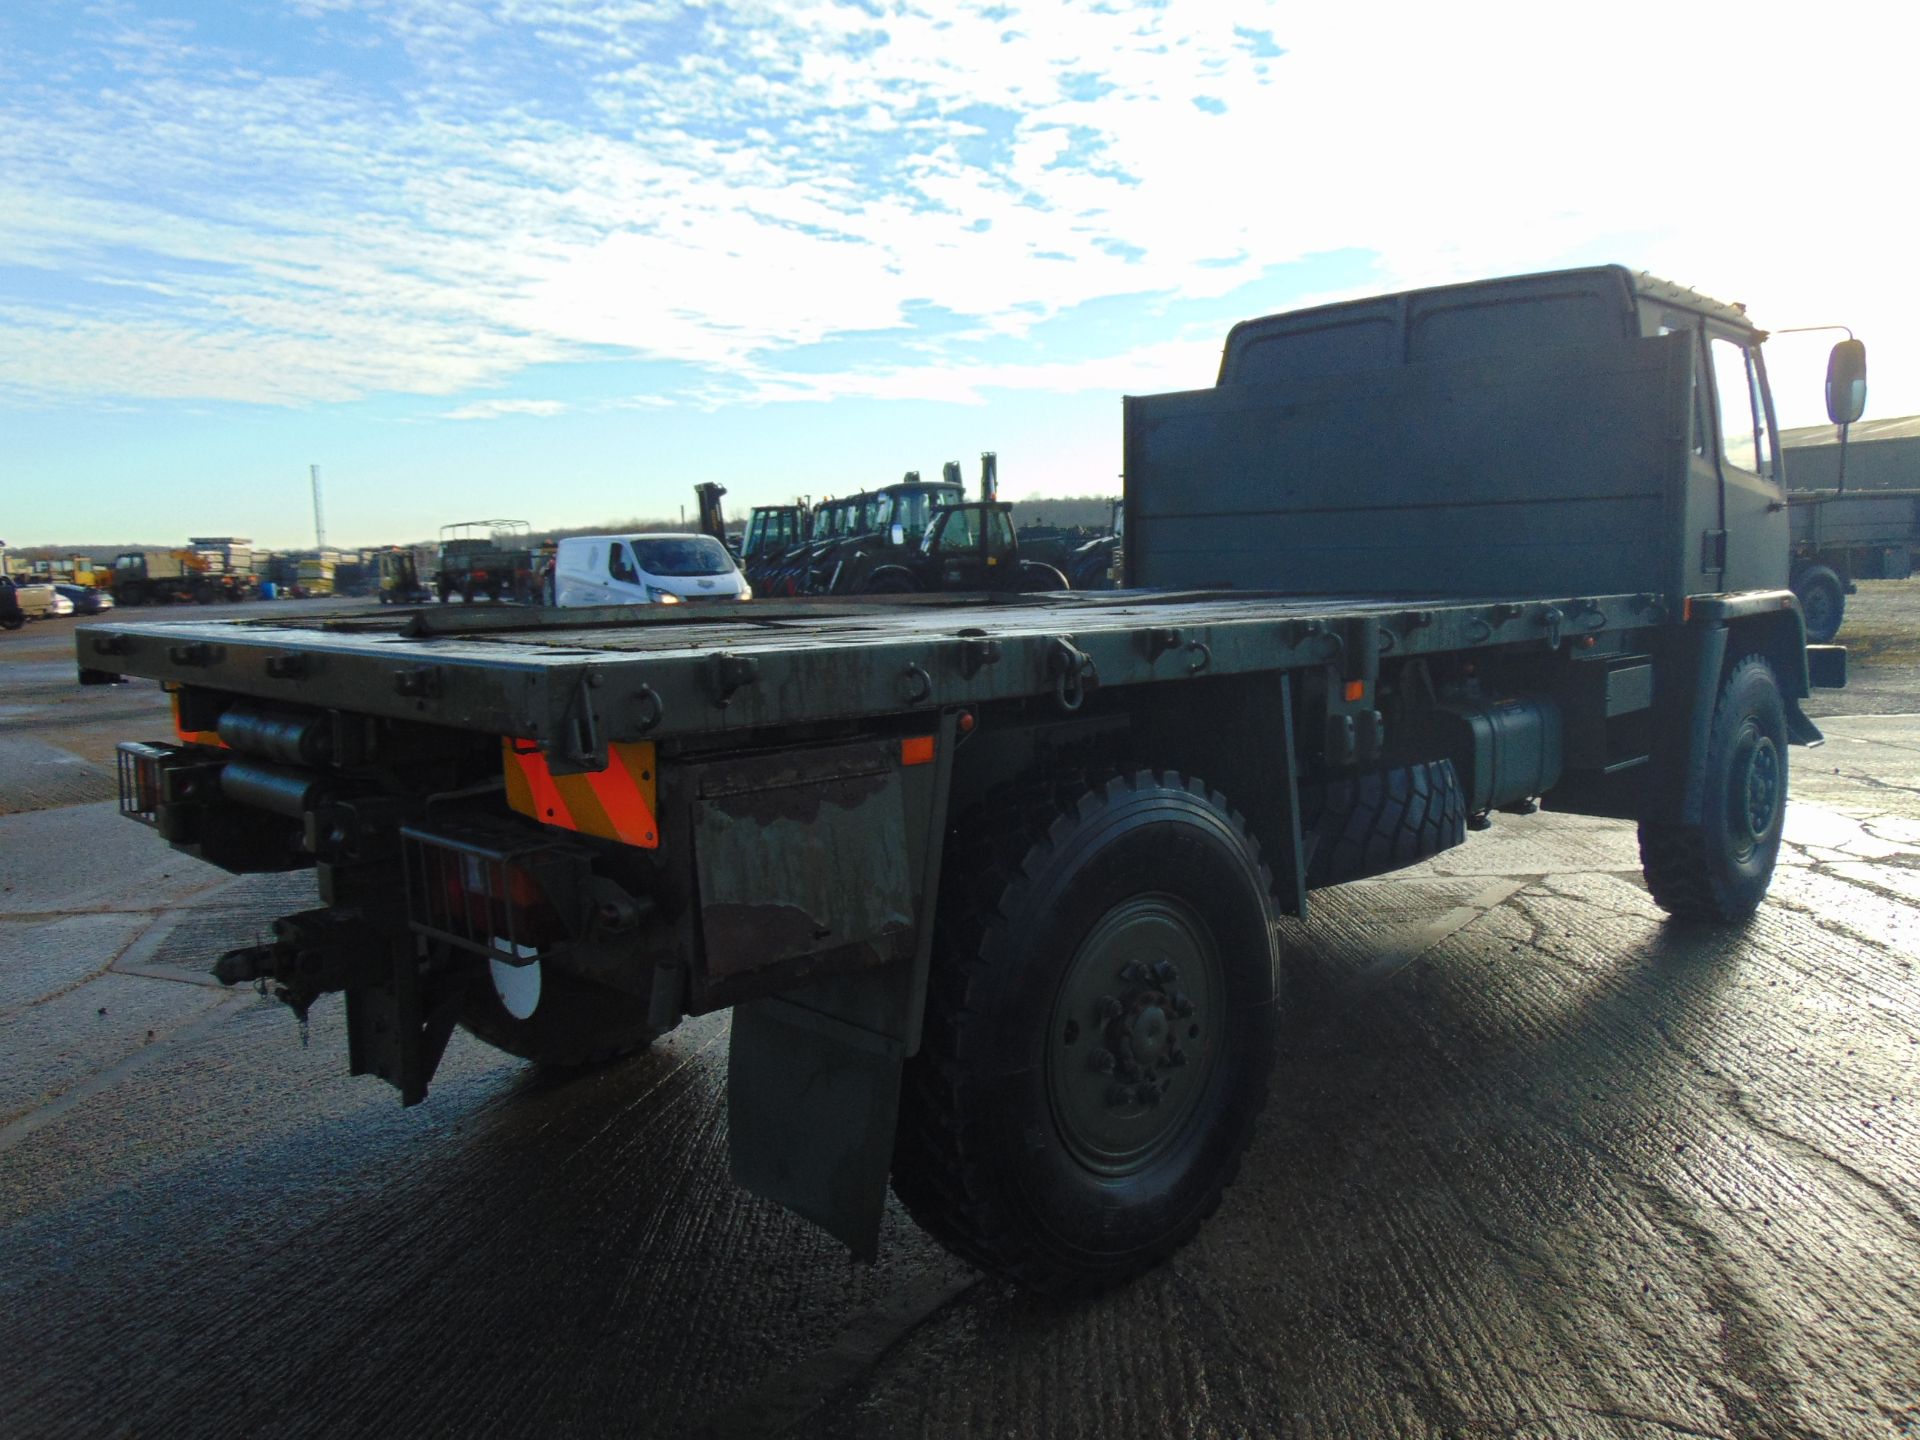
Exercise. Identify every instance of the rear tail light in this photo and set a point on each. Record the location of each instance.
(491, 892)
(139, 771)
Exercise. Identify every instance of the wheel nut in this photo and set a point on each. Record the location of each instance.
(1118, 1095)
(1129, 1070)
(1176, 1056)
(1101, 1061)
(1107, 1008)
(1164, 972)
(1133, 972)
(1182, 1006)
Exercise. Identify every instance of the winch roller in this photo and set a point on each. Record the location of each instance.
(270, 787)
(289, 739)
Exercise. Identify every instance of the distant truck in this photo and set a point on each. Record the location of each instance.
(491, 558)
(1860, 525)
(178, 577)
(314, 575)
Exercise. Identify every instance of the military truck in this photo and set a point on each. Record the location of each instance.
(993, 885)
(1853, 502)
(491, 558)
(178, 577)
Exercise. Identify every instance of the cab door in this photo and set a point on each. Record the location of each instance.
(956, 545)
(1753, 497)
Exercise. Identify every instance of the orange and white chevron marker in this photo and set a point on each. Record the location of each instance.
(615, 803)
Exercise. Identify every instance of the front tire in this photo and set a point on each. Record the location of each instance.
(1099, 1031)
(1718, 871)
(573, 1023)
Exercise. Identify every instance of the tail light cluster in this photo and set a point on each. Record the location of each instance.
(491, 891)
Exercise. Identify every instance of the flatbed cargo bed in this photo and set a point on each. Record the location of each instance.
(798, 662)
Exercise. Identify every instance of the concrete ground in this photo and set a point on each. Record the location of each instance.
(1537, 1164)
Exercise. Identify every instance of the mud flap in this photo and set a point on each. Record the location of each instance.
(811, 1105)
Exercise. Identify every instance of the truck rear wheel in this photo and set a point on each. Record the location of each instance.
(552, 1018)
(1384, 820)
(1718, 871)
(1099, 1031)
(1823, 601)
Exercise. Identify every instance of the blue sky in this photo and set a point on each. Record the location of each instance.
(561, 259)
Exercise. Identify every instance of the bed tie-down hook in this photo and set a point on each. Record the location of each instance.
(1072, 670)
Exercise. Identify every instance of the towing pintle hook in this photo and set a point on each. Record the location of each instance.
(1137, 1041)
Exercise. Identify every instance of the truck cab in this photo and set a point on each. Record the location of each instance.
(1735, 502)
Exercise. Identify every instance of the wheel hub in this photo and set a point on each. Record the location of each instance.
(1762, 787)
(1134, 1008)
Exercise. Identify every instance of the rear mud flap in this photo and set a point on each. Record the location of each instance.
(811, 1106)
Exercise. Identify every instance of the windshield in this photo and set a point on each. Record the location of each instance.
(682, 555)
(914, 508)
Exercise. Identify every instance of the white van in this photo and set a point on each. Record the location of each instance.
(644, 570)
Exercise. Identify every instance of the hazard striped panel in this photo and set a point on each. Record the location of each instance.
(616, 803)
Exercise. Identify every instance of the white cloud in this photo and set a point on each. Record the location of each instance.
(453, 192)
(496, 409)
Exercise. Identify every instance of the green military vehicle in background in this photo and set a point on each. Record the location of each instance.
(993, 885)
(1853, 505)
(490, 559)
(200, 573)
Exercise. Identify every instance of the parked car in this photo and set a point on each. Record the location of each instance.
(42, 602)
(86, 600)
(646, 570)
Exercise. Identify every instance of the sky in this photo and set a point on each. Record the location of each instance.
(559, 260)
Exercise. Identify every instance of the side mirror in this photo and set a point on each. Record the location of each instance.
(897, 535)
(1847, 382)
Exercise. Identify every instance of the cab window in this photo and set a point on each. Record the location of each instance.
(1745, 440)
(1702, 431)
(958, 533)
(620, 563)
(1000, 531)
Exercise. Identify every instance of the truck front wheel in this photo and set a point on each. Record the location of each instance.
(552, 1018)
(1823, 601)
(1099, 1031)
(1718, 871)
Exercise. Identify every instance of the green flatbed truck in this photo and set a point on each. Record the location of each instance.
(993, 886)
(1854, 509)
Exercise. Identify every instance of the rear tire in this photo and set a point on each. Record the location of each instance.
(1094, 945)
(1717, 872)
(576, 1023)
(1385, 820)
(890, 583)
(1823, 601)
